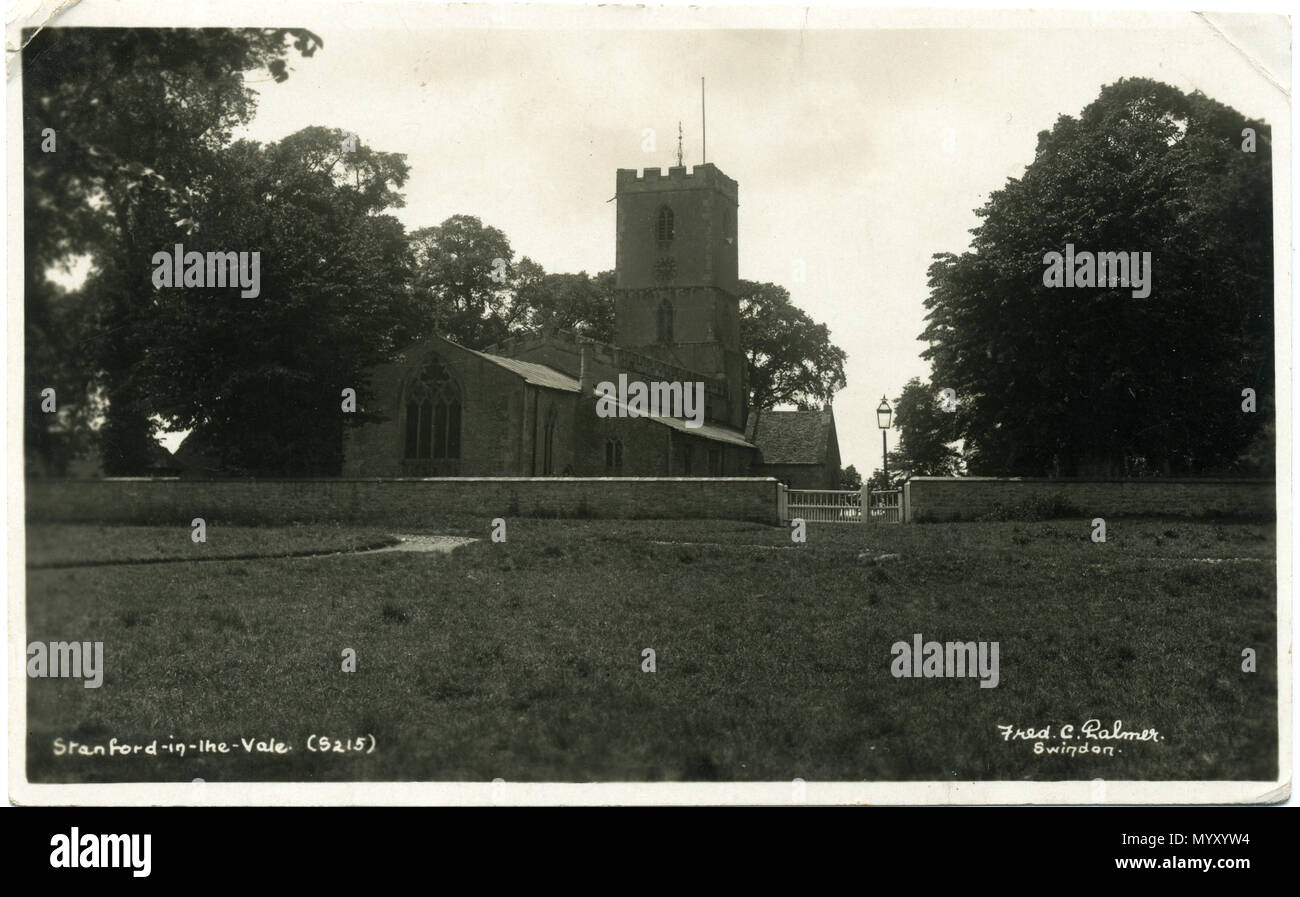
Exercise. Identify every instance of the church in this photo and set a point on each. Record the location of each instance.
(528, 407)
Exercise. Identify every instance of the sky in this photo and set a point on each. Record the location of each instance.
(859, 153)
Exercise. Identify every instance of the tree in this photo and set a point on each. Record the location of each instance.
(877, 480)
(464, 277)
(1077, 381)
(260, 380)
(926, 430)
(576, 302)
(850, 478)
(136, 117)
(791, 358)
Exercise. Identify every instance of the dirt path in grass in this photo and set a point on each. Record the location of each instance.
(442, 544)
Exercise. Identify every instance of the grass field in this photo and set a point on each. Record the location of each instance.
(54, 545)
(523, 660)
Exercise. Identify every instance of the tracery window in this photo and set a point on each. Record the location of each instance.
(433, 414)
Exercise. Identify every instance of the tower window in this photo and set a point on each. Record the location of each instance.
(664, 230)
(614, 456)
(664, 322)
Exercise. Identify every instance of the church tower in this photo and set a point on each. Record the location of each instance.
(676, 276)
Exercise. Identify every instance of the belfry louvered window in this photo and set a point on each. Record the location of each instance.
(664, 230)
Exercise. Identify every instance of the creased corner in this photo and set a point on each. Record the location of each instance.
(36, 19)
(1253, 59)
(1278, 795)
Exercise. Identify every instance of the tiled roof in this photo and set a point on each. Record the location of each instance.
(541, 375)
(790, 437)
(706, 430)
(536, 374)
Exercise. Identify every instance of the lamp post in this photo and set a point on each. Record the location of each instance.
(883, 414)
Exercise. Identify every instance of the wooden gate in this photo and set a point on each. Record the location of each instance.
(822, 505)
(885, 506)
(840, 505)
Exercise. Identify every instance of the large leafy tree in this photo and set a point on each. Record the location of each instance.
(260, 380)
(577, 302)
(464, 277)
(55, 358)
(1073, 381)
(792, 360)
(136, 119)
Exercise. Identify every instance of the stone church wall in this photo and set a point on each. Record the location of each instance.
(644, 442)
(967, 498)
(396, 503)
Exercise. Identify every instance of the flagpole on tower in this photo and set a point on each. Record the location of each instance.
(704, 130)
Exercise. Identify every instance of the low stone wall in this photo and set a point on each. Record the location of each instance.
(396, 502)
(968, 498)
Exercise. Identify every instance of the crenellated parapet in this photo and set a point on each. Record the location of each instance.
(678, 177)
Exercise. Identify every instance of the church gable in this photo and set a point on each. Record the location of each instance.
(450, 411)
(800, 448)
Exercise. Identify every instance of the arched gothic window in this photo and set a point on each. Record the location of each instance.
(433, 414)
(664, 321)
(664, 230)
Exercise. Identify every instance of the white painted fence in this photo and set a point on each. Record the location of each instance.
(840, 505)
